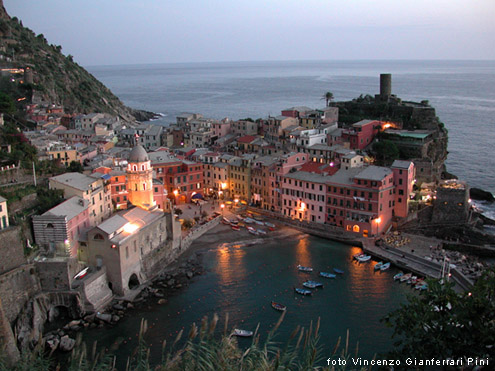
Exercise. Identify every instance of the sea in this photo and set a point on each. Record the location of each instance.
(242, 280)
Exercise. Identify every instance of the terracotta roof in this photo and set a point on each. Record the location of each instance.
(246, 139)
(315, 167)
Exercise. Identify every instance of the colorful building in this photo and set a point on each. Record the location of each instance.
(404, 175)
(361, 134)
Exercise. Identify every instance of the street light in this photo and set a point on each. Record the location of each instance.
(236, 201)
(377, 221)
(222, 207)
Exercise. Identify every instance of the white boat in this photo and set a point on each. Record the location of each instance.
(378, 265)
(242, 333)
(406, 277)
(261, 231)
(248, 220)
(363, 258)
(398, 276)
(81, 274)
(270, 224)
(304, 269)
(312, 284)
(327, 275)
(385, 266)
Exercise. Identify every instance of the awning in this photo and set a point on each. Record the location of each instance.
(197, 196)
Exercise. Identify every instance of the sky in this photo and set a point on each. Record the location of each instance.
(112, 32)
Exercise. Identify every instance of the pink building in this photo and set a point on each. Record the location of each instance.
(304, 196)
(361, 134)
(296, 112)
(220, 129)
(404, 174)
(58, 230)
(361, 200)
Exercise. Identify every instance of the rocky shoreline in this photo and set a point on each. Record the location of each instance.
(156, 292)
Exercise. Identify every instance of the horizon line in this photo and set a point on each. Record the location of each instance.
(289, 61)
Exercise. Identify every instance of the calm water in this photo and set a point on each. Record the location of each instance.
(242, 280)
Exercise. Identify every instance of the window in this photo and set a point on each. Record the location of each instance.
(98, 236)
(50, 225)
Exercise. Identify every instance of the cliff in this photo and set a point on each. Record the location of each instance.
(55, 77)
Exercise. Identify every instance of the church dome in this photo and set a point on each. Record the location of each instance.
(138, 154)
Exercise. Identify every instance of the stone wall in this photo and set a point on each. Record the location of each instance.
(16, 288)
(95, 292)
(7, 340)
(198, 232)
(56, 274)
(11, 249)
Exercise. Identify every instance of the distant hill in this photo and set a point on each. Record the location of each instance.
(56, 77)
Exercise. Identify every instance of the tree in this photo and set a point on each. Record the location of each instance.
(7, 104)
(328, 97)
(178, 211)
(386, 151)
(75, 167)
(443, 324)
(187, 224)
(48, 198)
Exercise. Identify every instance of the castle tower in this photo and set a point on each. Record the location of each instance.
(140, 179)
(385, 86)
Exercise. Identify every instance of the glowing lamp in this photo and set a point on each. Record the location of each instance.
(224, 185)
(176, 192)
(222, 206)
(236, 200)
(378, 220)
(114, 246)
(130, 228)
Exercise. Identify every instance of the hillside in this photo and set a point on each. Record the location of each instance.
(56, 77)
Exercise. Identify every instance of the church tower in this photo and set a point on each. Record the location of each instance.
(140, 179)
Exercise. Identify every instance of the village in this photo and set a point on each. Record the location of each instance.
(139, 194)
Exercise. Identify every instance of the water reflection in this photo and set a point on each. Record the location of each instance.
(303, 255)
(230, 267)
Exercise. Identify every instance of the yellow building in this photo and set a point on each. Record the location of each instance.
(140, 179)
(4, 216)
(66, 156)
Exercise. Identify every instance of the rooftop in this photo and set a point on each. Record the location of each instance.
(69, 208)
(2, 199)
(374, 173)
(75, 180)
(308, 177)
(246, 139)
(401, 164)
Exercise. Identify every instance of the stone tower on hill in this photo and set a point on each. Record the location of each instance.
(140, 179)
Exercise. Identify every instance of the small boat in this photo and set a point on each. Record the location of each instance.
(312, 284)
(327, 275)
(378, 265)
(423, 286)
(81, 274)
(385, 266)
(259, 223)
(355, 256)
(225, 221)
(304, 292)
(248, 220)
(261, 231)
(304, 269)
(253, 231)
(271, 229)
(339, 271)
(242, 333)
(239, 217)
(412, 280)
(236, 227)
(279, 307)
(270, 224)
(363, 258)
(406, 277)
(234, 221)
(398, 276)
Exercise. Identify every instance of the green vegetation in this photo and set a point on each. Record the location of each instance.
(328, 97)
(75, 167)
(204, 350)
(56, 76)
(385, 151)
(48, 198)
(187, 224)
(443, 324)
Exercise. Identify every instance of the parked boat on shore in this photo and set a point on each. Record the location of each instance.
(339, 271)
(398, 276)
(406, 277)
(363, 258)
(378, 265)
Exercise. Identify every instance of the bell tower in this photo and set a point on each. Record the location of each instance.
(140, 179)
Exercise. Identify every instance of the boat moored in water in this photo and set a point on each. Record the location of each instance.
(378, 265)
(339, 271)
(363, 258)
(242, 333)
(398, 276)
(279, 307)
(312, 284)
(304, 292)
(327, 275)
(406, 277)
(385, 266)
(304, 269)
